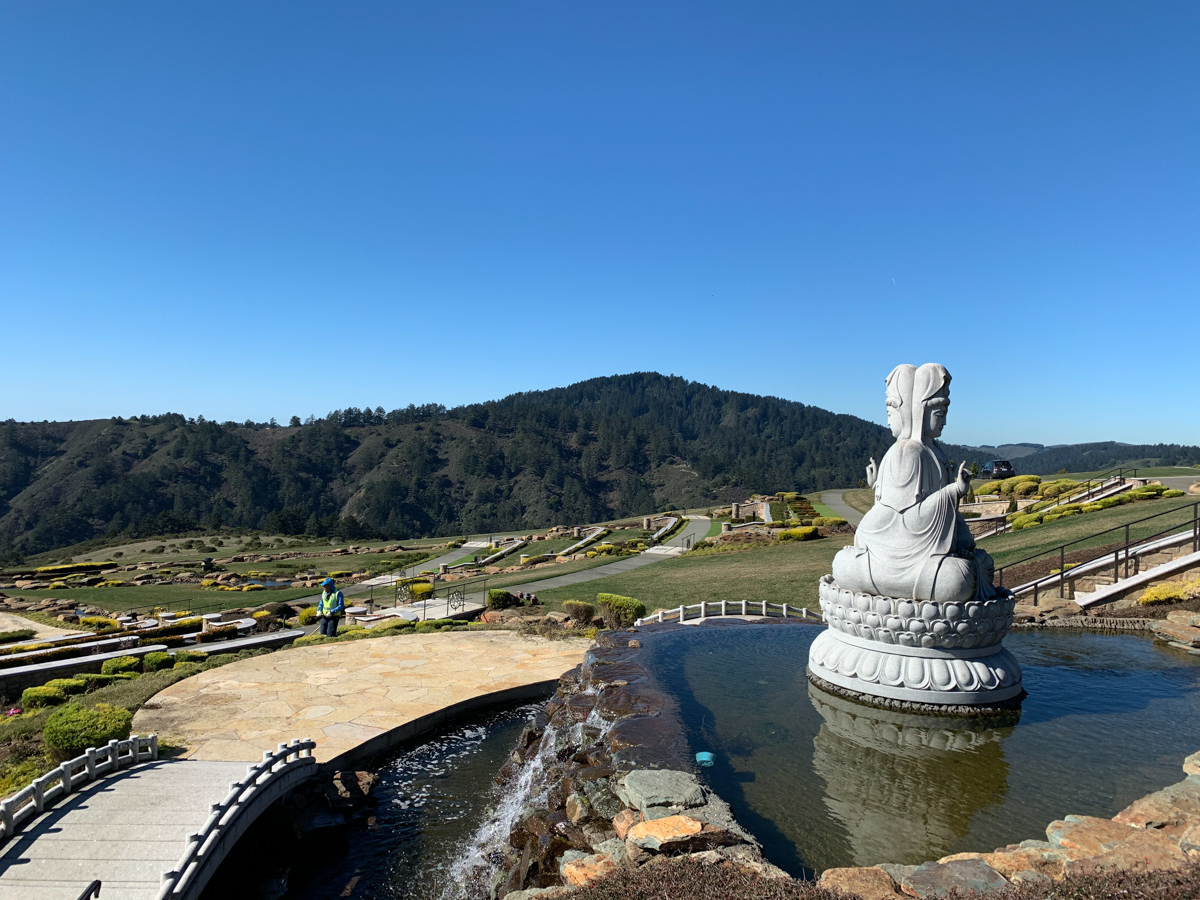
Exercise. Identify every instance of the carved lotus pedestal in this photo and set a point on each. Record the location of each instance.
(916, 655)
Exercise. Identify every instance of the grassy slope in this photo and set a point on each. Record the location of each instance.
(1008, 548)
(778, 573)
(862, 499)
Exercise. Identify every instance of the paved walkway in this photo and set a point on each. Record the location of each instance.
(342, 695)
(119, 829)
(833, 499)
(12, 622)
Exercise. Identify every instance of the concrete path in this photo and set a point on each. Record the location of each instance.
(833, 499)
(343, 695)
(125, 830)
(1180, 483)
(13, 622)
(694, 531)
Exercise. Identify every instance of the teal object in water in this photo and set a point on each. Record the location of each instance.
(704, 758)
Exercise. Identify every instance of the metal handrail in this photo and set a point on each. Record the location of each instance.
(1103, 482)
(286, 757)
(46, 790)
(1061, 574)
(92, 890)
(739, 608)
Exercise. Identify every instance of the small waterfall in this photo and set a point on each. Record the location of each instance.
(471, 872)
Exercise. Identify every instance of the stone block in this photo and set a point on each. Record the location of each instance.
(585, 869)
(662, 787)
(1088, 834)
(1146, 849)
(965, 875)
(1172, 810)
(624, 820)
(654, 835)
(868, 883)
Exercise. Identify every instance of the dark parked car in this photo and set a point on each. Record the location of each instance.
(997, 468)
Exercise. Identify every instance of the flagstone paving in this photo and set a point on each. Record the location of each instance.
(341, 695)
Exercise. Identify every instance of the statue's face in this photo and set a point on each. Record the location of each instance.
(894, 423)
(935, 421)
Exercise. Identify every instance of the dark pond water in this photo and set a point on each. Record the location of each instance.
(435, 802)
(824, 782)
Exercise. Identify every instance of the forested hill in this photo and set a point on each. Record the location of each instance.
(599, 449)
(596, 450)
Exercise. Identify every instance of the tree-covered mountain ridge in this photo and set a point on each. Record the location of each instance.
(600, 449)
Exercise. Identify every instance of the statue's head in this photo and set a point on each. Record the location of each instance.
(931, 393)
(900, 400)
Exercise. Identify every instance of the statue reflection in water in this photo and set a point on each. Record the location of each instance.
(904, 786)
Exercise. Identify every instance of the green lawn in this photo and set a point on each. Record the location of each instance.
(862, 499)
(714, 528)
(823, 510)
(1151, 472)
(777, 573)
(628, 534)
(1008, 548)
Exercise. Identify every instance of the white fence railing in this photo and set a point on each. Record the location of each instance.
(47, 790)
(259, 778)
(587, 539)
(713, 608)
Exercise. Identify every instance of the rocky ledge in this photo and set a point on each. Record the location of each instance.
(612, 784)
(1160, 832)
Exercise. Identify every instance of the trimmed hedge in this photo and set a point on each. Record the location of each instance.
(67, 652)
(420, 590)
(216, 634)
(308, 615)
(152, 662)
(803, 533)
(498, 598)
(41, 696)
(72, 729)
(67, 685)
(171, 629)
(189, 656)
(619, 611)
(94, 680)
(121, 665)
(828, 521)
(24, 634)
(581, 613)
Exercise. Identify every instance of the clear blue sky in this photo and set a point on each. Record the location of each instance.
(246, 209)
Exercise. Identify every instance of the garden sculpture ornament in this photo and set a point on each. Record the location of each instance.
(914, 619)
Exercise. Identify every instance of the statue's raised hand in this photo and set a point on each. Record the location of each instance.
(963, 482)
(872, 472)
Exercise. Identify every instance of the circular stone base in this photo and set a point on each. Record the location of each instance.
(999, 708)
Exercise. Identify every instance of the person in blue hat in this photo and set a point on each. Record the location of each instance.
(330, 608)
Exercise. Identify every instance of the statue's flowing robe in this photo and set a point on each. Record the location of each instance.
(908, 543)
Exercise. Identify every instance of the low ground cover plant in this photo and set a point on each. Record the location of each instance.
(802, 533)
(1170, 592)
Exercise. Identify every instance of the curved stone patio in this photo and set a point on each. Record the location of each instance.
(349, 696)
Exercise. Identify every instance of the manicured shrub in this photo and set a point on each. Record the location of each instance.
(152, 662)
(1092, 507)
(828, 521)
(121, 665)
(68, 685)
(190, 656)
(100, 623)
(1026, 489)
(434, 625)
(618, 611)
(24, 634)
(310, 639)
(41, 696)
(308, 615)
(420, 590)
(1172, 492)
(803, 533)
(1170, 592)
(179, 626)
(989, 487)
(1027, 521)
(581, 613)
(498, 598)
(219, 633)
(95, 680)
(72, 729)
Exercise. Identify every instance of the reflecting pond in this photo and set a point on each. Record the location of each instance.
(824, 782)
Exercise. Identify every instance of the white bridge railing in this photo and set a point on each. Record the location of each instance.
(260, 778)
(713, 608)
(47, 790)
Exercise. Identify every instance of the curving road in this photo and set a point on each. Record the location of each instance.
(833, 499)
